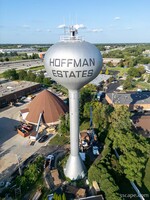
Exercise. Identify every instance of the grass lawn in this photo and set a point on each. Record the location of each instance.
(59, 140)
(143, 85)
(121, 70)
(37, 68)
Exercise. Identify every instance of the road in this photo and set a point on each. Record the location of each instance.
(112, 87)
(20, 64)
(12, 145)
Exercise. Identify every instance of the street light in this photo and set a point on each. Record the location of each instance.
(19, 167)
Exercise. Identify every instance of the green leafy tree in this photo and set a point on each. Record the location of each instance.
(31, 76)
(121, 64)
(22, 74)
(120, 118)
(40, 78)
(99, 173)
(63, 196)
(6, 59)
(134, 72)
(64, 125)
(134, 149)
(32, 173)
(141, 69)
(47, 81)
(107, 72)
(128, 83)
(11, 74)
(148, 80)
(55, 196)
(110, 64)
(86, 95)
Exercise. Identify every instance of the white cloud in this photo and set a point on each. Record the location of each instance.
(129, 28)
(79, 26)
(96, 30)
(38, 30)
(25, 26)
(117, 18)
(62, 26)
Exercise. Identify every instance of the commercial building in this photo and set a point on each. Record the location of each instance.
(12, 91)
(139, 101)
(46, 106)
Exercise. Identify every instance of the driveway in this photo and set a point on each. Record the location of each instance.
(13, 147)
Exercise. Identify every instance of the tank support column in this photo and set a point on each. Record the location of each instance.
(75, 168)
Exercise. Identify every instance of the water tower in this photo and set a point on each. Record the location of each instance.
(73, 63)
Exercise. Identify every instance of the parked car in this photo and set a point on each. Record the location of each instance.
(49, 161)
(95, 150)
(51, 157)
(43, 138)
(27, 127)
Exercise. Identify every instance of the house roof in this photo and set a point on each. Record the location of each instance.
(25, 110)
(100, 78)
(47, 103)
(142, 122)
(55, 176)
(130, 98)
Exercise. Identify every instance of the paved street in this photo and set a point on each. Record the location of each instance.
(12, 145)
(20, 65)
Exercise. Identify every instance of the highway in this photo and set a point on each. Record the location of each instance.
(22, 64)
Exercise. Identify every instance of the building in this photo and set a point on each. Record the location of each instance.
(12, 91)
(114, 61)
(147, 68)
(18, 50)
(142, 122)
(139, 101)
(47, 107)
(100, 78)
(55, 177)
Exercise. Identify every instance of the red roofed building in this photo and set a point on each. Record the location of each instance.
(47, 103)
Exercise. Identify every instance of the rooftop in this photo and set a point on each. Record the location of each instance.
(100, 78)
(142, 122)
(130, 98)
(14, 86)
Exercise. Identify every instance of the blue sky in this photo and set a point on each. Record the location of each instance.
(99, 21)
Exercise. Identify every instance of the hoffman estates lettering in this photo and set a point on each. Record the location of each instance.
(56, 62)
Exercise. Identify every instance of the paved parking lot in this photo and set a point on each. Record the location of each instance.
(13, 147)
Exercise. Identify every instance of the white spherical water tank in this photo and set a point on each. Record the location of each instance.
(73, 63)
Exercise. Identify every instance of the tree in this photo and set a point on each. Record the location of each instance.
(107, 72)
(11, 74)
(64, 125)
(6, 59)
(31, 76)
(100, 115)
(128, 83)
(22, 74)
(133, 149)
(40, 77)
(121, 64)
(141, 69)
(99, 173)
(134, 72)
(86, 95)
(47, 81)
(110, 64)
(120, 118)
(148, 80)
(63, 196)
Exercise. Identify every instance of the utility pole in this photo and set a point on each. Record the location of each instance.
(19, 167)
